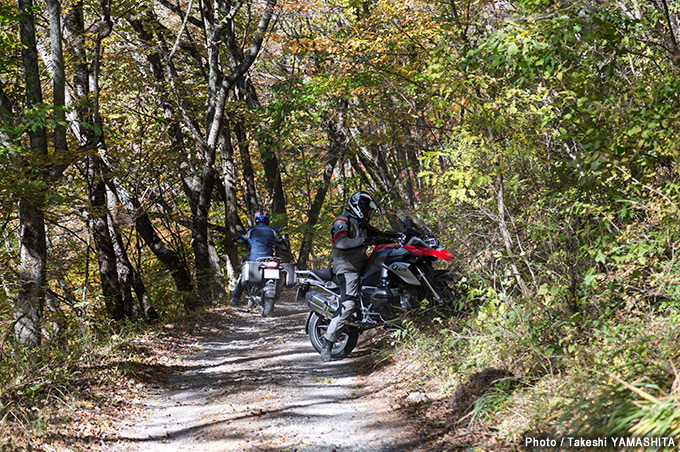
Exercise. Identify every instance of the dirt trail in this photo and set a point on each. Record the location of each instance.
(261, 386)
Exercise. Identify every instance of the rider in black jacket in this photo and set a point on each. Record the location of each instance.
(351, 234)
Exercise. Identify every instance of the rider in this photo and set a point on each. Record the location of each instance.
(351, 234)
(261, 240)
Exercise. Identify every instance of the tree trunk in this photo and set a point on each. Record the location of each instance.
(505, 233)
(128, 275)
(32, 280)
(245, 92)
(58, 76)
(314, 210)
(248, 174)
(32, 268)
(272, 175)
(125, 270)
(205, 272)
(337, 148)
(168, 256)
(502, 224)
(231, 219)
(106, 255)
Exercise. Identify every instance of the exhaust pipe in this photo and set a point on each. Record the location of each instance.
(320, 304)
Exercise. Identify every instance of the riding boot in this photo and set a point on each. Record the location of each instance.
(326, 350)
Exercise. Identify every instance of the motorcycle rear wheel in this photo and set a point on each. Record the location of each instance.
(346, 342)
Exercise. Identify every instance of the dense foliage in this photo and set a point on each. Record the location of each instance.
(536, 137)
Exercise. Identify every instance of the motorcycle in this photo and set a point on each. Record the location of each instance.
(263, 281)
(398, 276)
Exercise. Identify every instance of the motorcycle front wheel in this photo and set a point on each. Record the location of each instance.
(346, 342)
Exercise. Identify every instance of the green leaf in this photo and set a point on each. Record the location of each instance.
(634, 131)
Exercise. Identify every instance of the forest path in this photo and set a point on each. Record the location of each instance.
(262, 387)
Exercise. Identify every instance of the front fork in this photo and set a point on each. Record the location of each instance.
(428, 284)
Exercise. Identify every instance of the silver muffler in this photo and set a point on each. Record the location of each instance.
(321, 305)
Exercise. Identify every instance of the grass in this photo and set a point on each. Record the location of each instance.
(614, 376)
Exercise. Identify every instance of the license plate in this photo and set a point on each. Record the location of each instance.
(270, 273)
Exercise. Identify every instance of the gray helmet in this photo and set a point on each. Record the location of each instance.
(361, 205)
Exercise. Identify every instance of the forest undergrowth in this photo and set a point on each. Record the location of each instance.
(592, 354)
(73, 399)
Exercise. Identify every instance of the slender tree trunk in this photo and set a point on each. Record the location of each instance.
(32, 280)
(272, 174)
(270, 162)
(32, 268)
(58, 75)
(168, 256)
(125, 270)
(502, 224)
(106, 255)
(373, 171)
(505, 233)
(363, 177)
(414, 169)
(248, 174)
(314, 210)
(404, 177)
(128, 275)
(205, 272)
(231, 219)
(338, 148)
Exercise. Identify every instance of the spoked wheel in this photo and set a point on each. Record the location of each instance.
(346, 342)
(452, 295)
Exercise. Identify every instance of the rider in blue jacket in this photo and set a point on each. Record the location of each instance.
(260, 240)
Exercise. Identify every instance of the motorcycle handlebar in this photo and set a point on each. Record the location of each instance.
(392, 234)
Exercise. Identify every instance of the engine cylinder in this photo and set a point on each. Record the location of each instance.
(380, 298)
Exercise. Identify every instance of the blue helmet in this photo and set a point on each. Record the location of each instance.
(261, 216)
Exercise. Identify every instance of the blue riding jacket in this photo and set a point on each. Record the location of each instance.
(261, 239)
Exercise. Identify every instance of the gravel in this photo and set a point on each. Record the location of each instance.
(262, 387)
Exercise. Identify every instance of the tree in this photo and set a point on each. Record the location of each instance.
(33, 161)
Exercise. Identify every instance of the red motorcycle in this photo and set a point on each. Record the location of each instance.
(397, 277)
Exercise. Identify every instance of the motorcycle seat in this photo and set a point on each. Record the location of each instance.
(325, 274)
